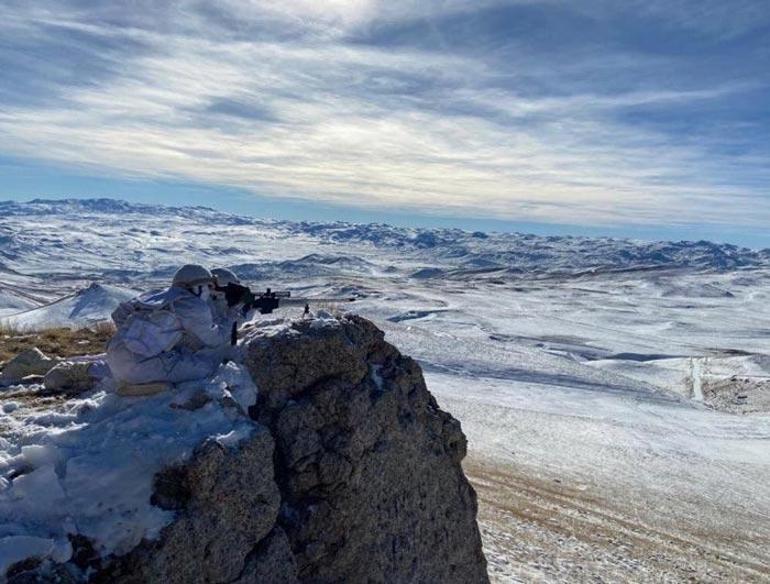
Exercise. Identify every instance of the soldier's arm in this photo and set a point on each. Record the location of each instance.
(195, 316)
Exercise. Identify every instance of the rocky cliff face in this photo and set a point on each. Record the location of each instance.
(368, 465)
(352, 474)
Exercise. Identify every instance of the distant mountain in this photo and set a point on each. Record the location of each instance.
(114, 207)
(119, 242)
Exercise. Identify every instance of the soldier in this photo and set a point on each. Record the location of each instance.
(169, 336)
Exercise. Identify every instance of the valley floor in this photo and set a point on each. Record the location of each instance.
(602, 449)
(636, 493)
(540, 530)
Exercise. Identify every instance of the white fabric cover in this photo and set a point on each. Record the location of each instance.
(199, 340)
(149, 334)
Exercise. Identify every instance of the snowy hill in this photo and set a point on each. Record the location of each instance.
(19, 292)
(85, 307)
(113, 208)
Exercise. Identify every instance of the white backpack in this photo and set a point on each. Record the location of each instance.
(151, 327)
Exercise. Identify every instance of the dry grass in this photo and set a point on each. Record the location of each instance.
(537, 529)
(58, 342)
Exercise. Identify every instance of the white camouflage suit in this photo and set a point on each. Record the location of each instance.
(202, 343)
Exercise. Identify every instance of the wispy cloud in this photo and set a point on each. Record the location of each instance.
(304, 100)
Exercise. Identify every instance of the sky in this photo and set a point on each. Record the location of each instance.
(622, 117)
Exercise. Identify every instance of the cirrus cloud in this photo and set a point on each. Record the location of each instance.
(429, 106)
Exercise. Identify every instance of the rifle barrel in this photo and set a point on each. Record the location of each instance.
(293, 300)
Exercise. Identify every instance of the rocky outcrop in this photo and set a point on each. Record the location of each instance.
(69, 376)
(369, 465)
(351, 474)
(30, 362)
(228, 504)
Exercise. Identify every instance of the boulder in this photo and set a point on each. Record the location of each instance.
(29, 362)
(368, 464)
(69, 376)
(227, 503)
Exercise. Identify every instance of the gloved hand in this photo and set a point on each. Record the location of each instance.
(236, 294)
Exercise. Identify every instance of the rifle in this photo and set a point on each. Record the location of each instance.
(267, 301)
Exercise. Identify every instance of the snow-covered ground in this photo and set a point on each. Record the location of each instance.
(86, 466)
(615, 393)
(591, 448)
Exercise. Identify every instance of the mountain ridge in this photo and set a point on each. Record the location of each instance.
(352, 230)
(70, 243)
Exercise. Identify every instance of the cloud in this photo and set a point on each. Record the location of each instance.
(286, 99)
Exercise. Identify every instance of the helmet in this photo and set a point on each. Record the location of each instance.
(191, 275)
(223, 277)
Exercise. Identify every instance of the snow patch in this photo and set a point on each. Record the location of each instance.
(89, 468)
(375, 371)
(324, 319)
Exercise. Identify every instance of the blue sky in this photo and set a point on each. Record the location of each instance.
(648, 119)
